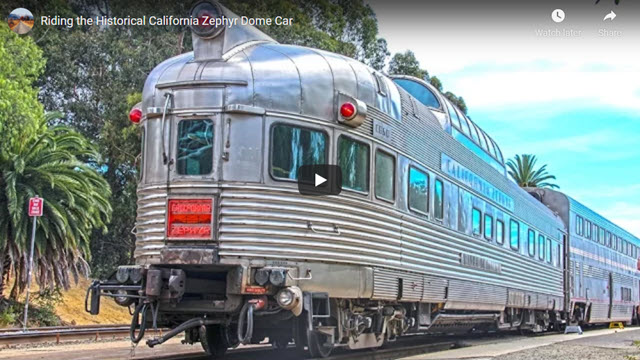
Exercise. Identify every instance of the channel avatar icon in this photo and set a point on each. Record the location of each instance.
(21, 21)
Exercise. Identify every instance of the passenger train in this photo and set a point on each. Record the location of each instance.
(428, 235)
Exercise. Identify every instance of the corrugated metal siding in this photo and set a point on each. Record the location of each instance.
(263, 223)
(150, 224)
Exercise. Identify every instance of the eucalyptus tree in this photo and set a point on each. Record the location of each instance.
(523, 170)
(55, 163)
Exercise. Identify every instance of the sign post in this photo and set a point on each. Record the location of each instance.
(35, 210)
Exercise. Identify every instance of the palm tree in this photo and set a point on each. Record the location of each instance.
(523, 171)
(51, 163)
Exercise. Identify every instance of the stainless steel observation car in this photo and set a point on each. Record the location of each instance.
(427, 235)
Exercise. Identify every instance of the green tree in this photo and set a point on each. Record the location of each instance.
(523, 170)
(407, 64)
(49, 163)
(457, 100)
(436, 83)
(21, 64)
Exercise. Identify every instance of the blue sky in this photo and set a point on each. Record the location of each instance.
(575, 103)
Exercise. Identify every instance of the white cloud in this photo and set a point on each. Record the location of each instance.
(625, 215)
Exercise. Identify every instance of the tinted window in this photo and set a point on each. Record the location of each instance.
(531, 242)
(195, 147)
(293, 147)
(548, 252)
(353, 158)
(614, 242)
(559, 259)
(587, 229)
(540, 247)
(455, 120)
(419, 91)
(499, 231)
(620, 244)
(385, 175)
(476, 218)
(488, 227)
(514, 238)
(608, 239)
(601, 236)
(465, 124)
(418, 190)
(579, 225)
(438, 205)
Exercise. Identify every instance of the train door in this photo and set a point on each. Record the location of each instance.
(610, 288)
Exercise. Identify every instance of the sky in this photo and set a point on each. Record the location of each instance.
(573, 100)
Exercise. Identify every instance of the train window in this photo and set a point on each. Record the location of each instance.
(195, 147)
(476, 218)
(455, 120)
(629, 248)
(594, 232)
(292, 146)
(579, 224)
(514, 235)
(418, 190)
(465, 123)
(541, 247)
(353, 158)
(474, 132)
(608, 239)
(531, 242)
(626, 293)
(556, 254)
(420, 92)
(385, 176)
(488, 227)
(614, 242)
(548, 250)
(499, 232)
(601, 238)
(559, 252)
(587, 229)
(620, 244)
(438, 201)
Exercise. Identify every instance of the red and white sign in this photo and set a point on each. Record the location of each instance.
(35, 206)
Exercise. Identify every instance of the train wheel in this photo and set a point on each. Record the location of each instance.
(214, 340)
(318, 347)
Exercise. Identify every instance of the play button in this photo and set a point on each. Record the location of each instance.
(317, 180)
(320, 180)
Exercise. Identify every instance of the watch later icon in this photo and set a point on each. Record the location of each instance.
(558, 15)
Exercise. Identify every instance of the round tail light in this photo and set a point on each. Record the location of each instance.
(348, 110)
(135, 115)
(206, 13)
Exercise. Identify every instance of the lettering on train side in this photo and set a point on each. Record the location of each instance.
(381, 131)
(477, 262)
(469, 178)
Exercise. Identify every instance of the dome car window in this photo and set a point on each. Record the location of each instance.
(385, 176)
(438, 205)
(292, 147)
(514, 238)
(499, 232)
(488, 227)
(532, 242)
(476, 218)
(418, 190)
(420, 92)
(195, 147)
(353, 158)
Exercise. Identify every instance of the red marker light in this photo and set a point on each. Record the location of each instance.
(135, 115)
(348, 110)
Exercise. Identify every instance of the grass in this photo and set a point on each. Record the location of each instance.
(65, 309)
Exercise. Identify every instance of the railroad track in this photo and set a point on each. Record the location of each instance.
(402, 348)
(58, 334)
